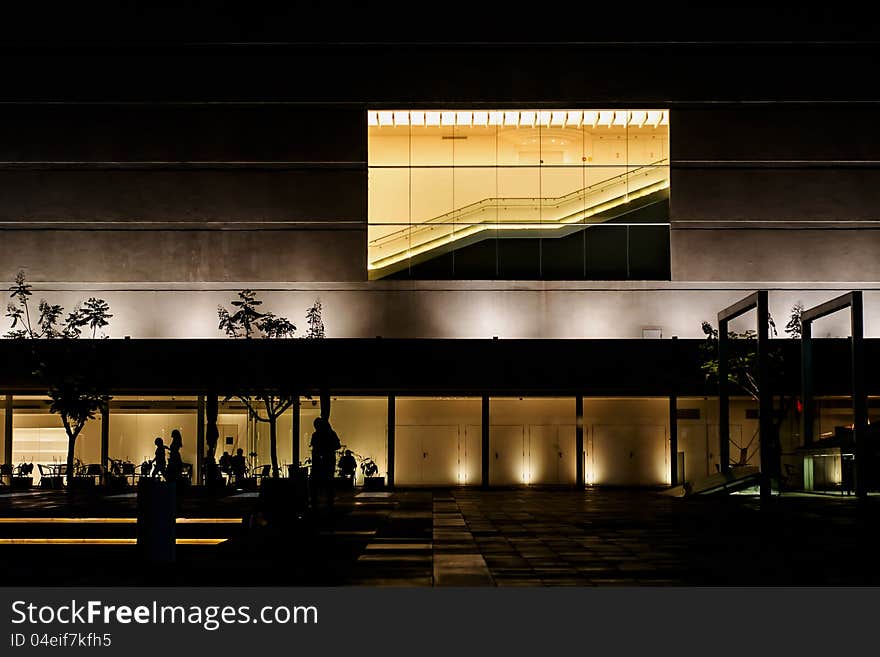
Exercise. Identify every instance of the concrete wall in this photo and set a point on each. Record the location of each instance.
(464, 309)
(774, 192)
(278, 193)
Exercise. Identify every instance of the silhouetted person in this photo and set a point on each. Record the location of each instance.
(324, 444)
(226, 463)
(159, 464)
(238, 465)
(175, 462)
(347, 465)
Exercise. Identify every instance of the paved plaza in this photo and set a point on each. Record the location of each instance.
(454, 537)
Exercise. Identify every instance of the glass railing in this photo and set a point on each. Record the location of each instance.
(535, 216)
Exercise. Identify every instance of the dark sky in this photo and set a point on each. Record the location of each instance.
(258, 21)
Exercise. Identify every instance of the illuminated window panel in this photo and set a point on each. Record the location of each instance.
(136, 422)
(361, 424)
(533, 194)
(38, 437)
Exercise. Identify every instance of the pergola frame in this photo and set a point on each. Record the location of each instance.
(756, 301)
(853, 301)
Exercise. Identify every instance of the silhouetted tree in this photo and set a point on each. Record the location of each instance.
(76, 397)
(246, 321)
(94, 313)
(71, 376)
(314, 320)
(742, 365)
(263, 404)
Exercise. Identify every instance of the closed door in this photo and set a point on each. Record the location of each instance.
(471, 456)
(426, 455)
(551, 454)
(630, 455)
(439, 456)
(507, 465)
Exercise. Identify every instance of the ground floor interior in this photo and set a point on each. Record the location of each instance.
(438, 440)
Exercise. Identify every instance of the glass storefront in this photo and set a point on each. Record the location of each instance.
(511, 194)
(361, 424)
(136, 422)
(38, 437)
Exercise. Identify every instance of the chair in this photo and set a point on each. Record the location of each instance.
(51, 475)
(261, 472)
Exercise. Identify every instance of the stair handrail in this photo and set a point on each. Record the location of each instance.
(553, 201)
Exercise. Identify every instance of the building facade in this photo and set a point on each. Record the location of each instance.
(608, 192)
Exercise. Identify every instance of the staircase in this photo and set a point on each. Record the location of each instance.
(519, 217)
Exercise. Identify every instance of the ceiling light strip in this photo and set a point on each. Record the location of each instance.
(519, 118)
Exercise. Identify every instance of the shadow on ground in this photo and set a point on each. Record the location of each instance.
(458, 537)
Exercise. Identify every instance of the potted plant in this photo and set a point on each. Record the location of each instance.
(23, 476)
(371, 471)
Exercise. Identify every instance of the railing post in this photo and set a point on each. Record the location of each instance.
(723, 400)
(860, 397)
(765, 399)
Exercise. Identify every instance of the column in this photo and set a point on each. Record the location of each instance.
(579, 440)
(391, 426)
(484, 448)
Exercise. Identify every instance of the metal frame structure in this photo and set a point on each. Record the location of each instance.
(756, 301)
(853, 301)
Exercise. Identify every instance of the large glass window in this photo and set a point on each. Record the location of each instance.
(38, 437)
(361, 424)
(526, 194)
(136, 422)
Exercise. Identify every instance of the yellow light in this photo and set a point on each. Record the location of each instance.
(102, 541)
(574, 118)
(386, 118)
(432, 118)
(401, 118)
(511, 118)
(654, 117)
(606, 118)
(481, 118)
(447, 118)
(496, 118)
(621, 118)
(372, 118)
(591, 118)
(463, 118)
(113, 521)
(639, 118)
(558, 118)
(544, 118)
(527, 118)
(473, 229)
(417, 118)
(665, 119)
